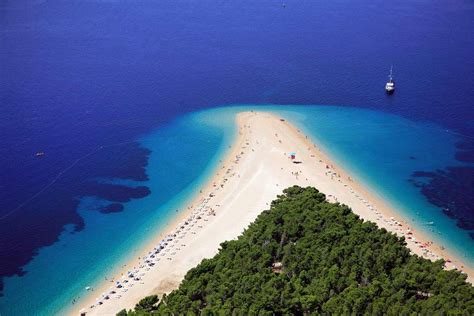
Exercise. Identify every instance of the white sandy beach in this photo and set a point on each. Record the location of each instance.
(255, 171)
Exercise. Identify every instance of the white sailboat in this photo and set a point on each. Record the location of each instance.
(390, 85)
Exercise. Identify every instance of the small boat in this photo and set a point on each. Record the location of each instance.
(390, 85)
(39, 154)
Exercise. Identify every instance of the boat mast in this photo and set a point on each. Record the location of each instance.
(390, 76)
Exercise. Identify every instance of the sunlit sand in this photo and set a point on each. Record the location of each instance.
(256, 169)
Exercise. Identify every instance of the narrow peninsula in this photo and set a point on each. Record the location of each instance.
(351, 259)
(305, 256)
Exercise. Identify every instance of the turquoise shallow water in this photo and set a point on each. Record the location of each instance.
(379, 149)
(383, 151)
(79, 75)
(184, 154)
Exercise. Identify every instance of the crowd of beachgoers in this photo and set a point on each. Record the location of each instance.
(307, 167)
(401, 228)
(167, 248)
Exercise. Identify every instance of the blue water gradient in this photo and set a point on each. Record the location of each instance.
(183, 156)
(385, 152)
(83, 80)
(379, 149)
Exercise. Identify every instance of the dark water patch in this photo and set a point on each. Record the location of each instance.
(451, 189)
(36, 225)
(117, 193)
(415, 183)
(112, 208)
(465, 151)
(84, 74)
(39, 222)
(124, 161)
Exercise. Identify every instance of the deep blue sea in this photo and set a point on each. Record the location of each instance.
(115, 93)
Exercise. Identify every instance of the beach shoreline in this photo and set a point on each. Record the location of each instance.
(169, 228)
(253, 172)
